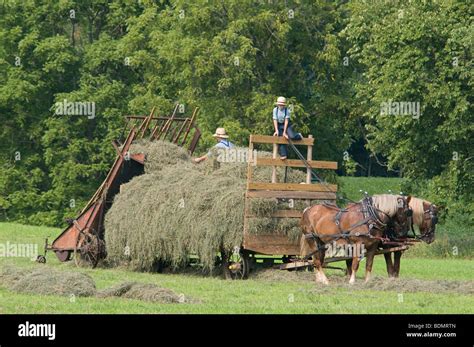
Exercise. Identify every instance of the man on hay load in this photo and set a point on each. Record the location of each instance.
(222, 142)
(281, 123)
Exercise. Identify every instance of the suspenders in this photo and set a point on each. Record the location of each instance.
(286, 111)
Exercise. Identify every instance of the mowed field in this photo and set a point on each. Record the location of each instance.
(426, 286)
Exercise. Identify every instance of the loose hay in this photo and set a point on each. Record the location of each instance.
(143, 291)
(178, 209)
(279, 226)
(377, 283)
(160, 154)
(47, 281)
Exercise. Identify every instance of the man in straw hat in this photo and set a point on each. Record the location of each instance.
(222, 142)
(281, 123)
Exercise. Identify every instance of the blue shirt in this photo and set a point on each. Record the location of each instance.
(224, 143)
(281, 115)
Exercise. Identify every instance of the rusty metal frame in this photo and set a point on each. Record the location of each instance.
(90, 219)
(161, 126)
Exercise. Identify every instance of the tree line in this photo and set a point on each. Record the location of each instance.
(385, 85)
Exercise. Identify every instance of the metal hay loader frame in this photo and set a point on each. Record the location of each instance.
(84, 237)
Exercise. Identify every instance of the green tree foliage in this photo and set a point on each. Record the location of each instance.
(335, 62)
(418, 52)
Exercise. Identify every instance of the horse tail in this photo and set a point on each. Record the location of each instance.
(304, 221)
(306, 228)
(304, 246)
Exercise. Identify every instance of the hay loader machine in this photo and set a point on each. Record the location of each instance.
(84, 237)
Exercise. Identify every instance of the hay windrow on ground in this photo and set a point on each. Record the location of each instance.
(47, 281)
(44, 280)
(143, 291)
(178, 209)
(380, 283)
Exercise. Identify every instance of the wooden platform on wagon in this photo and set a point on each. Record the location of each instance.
(273, 243)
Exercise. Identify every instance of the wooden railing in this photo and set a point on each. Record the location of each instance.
(272, 243)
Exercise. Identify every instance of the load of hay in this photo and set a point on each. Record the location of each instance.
(178, 209)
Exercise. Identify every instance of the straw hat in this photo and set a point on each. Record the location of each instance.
(220, 132)
(281, 101)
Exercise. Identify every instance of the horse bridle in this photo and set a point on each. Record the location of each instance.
(434, 221)
(408, 213)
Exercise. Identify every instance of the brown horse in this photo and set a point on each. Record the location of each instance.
(425, 217)
(359, 226)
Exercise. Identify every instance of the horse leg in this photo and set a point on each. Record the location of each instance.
(318, 268)
(369, 262)
(355, 267)
(318, 261)
(388, 262)
(349, 267)
(396, 267)
(321, 258)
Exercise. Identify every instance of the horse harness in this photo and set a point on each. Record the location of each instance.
(371, 219)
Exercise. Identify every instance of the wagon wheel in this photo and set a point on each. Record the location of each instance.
(90, 250)
(41, 259)
(236, 265)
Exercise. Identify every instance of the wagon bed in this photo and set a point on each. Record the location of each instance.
(272, 243)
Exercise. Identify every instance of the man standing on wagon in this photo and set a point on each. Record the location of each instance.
(281, 123)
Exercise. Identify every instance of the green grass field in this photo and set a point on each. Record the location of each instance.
(276, 292)
(351, 186)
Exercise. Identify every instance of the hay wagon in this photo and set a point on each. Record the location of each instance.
(274, 248)
(84, 236)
